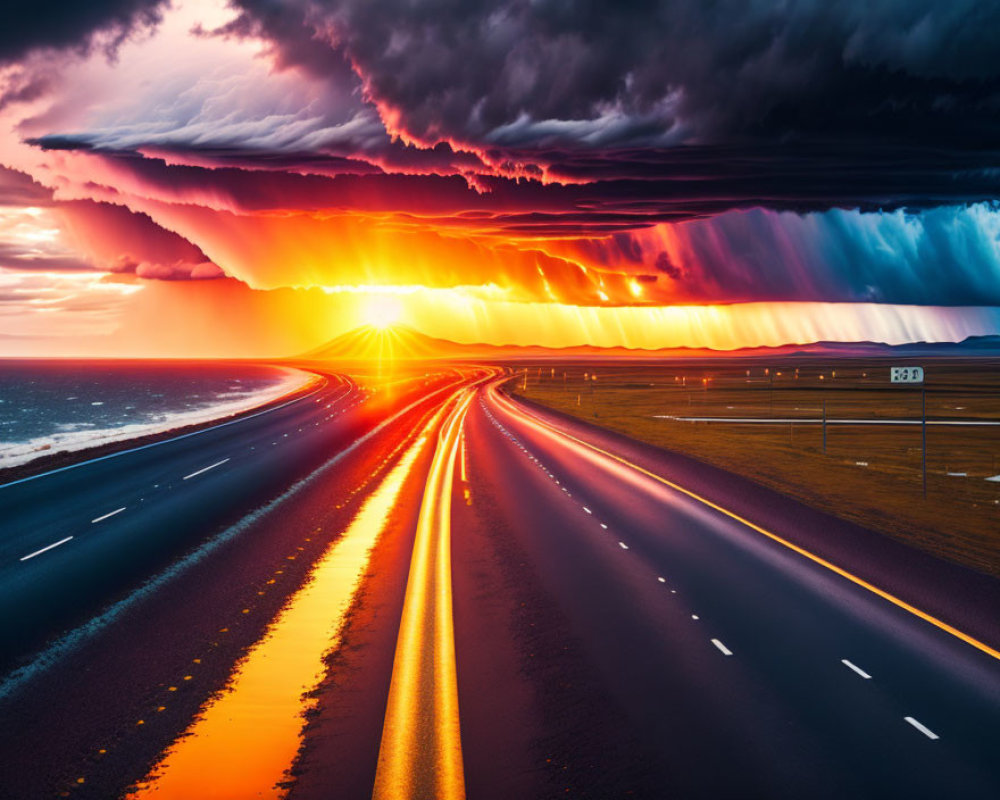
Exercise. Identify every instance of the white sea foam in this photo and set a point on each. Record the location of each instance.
(73, 438)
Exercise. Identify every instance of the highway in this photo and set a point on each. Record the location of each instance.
(526, 607)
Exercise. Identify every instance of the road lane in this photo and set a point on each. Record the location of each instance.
(105, 550)
(689, 582)
(94, 484)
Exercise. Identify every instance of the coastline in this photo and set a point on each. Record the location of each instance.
(298, 381)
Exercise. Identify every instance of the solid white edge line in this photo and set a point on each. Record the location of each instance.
(205, 469)
(856, 668)
(722, 648)
(47, 547)
(109, 514)
(922, 728)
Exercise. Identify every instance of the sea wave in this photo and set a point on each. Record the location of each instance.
(73, 437)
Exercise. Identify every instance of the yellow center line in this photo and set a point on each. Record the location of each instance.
(421, 750)
(465, 478)
(940, 624)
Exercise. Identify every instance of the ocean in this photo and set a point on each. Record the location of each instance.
(49, 406)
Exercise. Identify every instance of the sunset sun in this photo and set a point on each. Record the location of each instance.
(381, 311)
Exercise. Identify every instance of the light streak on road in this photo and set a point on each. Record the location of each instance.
(421, 751)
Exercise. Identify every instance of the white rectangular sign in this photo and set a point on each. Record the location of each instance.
(906, 374)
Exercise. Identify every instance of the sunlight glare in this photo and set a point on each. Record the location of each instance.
(381, 311)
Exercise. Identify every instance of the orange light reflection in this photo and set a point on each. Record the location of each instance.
(245, 739)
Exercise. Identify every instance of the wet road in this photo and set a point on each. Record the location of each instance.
(75, 537)
(447, 594)
(738, 665)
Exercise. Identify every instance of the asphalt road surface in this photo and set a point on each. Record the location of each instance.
(532, 609)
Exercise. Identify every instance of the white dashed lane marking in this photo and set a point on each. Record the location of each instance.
(722, 648)
(922, 728)
(108, 515)
(46, 548)
(856, 668)
(206, 469)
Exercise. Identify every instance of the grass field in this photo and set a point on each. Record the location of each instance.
(870, 474)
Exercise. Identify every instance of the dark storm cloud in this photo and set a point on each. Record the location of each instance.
(675, 70)
(677, 109)
(289, 25)
(669, 110)
(629, 189)
(28, 25)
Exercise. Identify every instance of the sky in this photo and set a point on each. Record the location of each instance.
(250, 178)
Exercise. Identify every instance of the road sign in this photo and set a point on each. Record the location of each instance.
(916, 375)
(906, 374)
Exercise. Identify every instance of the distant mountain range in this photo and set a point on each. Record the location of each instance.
(400, 342)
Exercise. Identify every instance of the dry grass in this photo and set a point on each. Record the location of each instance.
(867, 474)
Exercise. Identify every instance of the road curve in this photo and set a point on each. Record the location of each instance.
(534, 611)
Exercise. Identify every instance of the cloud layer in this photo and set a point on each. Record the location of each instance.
(553, 151)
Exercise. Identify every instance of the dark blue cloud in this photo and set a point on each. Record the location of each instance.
(28, 25)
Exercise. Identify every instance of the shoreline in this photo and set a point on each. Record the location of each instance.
(49, 460)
